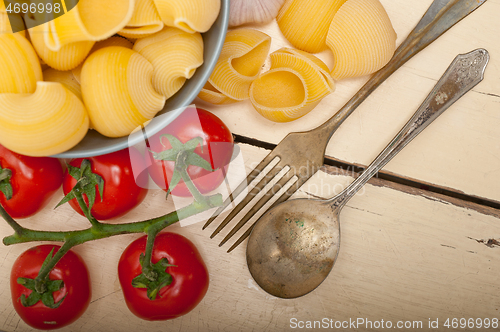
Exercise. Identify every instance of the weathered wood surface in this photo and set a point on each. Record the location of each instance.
(459, 151)
(406, 255)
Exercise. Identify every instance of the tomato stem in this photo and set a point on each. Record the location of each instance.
(18, 229)
(42, 277)
(23, 235)
(147, 268)
(42, 290)
(86, 211)
(191, 187)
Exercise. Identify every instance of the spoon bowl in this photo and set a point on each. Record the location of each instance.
(296, 247)
(293, 246)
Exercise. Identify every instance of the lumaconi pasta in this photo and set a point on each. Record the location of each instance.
(144, 22)
(241, 59)
(174, 54)
(68, 57)
(49, 121)
(19, 66)
(188, 15)
(305, 23)
(112, 41)
(315, 73)
(210, 94)
(295, 84)
(118, 92)
(92, 20)
(66, 78)
(361, 38)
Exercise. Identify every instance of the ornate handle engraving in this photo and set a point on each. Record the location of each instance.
(465, 72)
(470, 67)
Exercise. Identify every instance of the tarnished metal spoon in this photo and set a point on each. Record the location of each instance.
(293, 246)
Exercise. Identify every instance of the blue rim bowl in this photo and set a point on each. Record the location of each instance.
(94, 144)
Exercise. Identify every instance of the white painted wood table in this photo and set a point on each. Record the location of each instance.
(408, 255)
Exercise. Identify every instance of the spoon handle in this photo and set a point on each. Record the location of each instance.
(465, 72)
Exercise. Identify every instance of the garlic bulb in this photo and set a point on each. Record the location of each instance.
(253, 11)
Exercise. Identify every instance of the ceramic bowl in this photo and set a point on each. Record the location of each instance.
(94, 144)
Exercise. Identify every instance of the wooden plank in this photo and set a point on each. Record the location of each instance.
(406, 255)
(459, 151)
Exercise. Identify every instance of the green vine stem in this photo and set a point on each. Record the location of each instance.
(100, 230)
(86, 211)
(147, 268)
(18, 229)
(23, 235)
(40, 285)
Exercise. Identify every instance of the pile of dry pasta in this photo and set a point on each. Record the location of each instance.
(106, 65)
(359, 33)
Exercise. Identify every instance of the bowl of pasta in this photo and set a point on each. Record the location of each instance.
(108, 85)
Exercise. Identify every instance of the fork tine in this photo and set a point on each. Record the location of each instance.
(253, 174)
(254, 192)
(281, 199)
(271, 193)
(232, 196)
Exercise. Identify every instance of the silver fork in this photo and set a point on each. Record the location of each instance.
(304, 152)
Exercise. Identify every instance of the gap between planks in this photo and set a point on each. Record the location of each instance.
(398, 182)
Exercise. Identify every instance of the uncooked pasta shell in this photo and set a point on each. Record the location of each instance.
(66, 78)
(19, 65)
(240, 62)
(174, 54)
(111, 41)
(315, 73)
(305, 23)
(117, 90)
(361, 38)
(68, 57)
(214, 96)
(280, 95)
(295, 84)
(189, 15)
(92, 20)
(49, 121)
(144, 22)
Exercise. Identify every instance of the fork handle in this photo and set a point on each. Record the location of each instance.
(465, 72)
(439, 17)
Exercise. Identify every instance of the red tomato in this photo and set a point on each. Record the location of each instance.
(124, 188)
(189, 277)
(77, 288)
(34, 181)
(217, 150)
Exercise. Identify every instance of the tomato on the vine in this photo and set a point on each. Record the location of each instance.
(75, 292)
(30, 182)
(123, 189)
(189, 277)
(216, 148)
